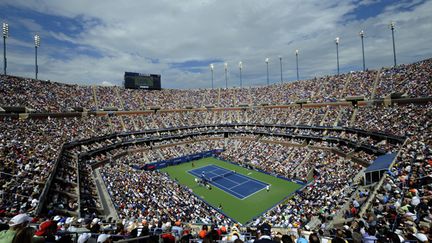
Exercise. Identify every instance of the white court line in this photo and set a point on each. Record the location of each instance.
(254, 193)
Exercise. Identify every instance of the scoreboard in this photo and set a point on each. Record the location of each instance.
(142, 81)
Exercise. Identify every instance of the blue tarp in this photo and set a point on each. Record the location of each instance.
(383, 162)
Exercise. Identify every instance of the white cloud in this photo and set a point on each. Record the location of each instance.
(107, 83)
(127, 35)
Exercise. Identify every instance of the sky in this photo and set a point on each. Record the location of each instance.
(95, 42)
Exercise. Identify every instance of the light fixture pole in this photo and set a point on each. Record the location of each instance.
(280, 61)
(212, 76)
(226, 75)
(362, 36)
(392, 26)
(267, 62)
(5, 35)
(37, 44)
(241, 67)
(297, 54)
(337, 53)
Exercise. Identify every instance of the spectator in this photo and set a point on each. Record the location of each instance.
(83, 238)
(16, 224)
(104, 238)
(46, 232)
(339, 238)
(203, 232)
(301, 238)
(24, 235)
(369, 235)
(314, 238)
(264, 235)
(177, 229)
(287, 239)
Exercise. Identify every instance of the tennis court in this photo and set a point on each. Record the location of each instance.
(238, 185)
(241, 209)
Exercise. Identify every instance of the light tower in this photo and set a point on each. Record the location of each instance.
(362, 36)
(392, 27)
(37, 44)
(267, 62)
(337, 53)
(5, 36)
(212, 76)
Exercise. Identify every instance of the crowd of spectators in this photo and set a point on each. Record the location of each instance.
(411, 80)
(64, 188)
(154, 195)
(51, 96)
(326, 116)
(401, 208)
(30, 145)
(43, 96)
(29, 149)
(360, 84)
(396, 120)
(331, 186)
(249, 151)
(292, 162)
(295, 162)
(24, 229)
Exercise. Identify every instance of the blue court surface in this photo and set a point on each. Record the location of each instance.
(238, 185)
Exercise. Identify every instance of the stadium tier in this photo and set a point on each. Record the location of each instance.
(300, 155)
(413, 80)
